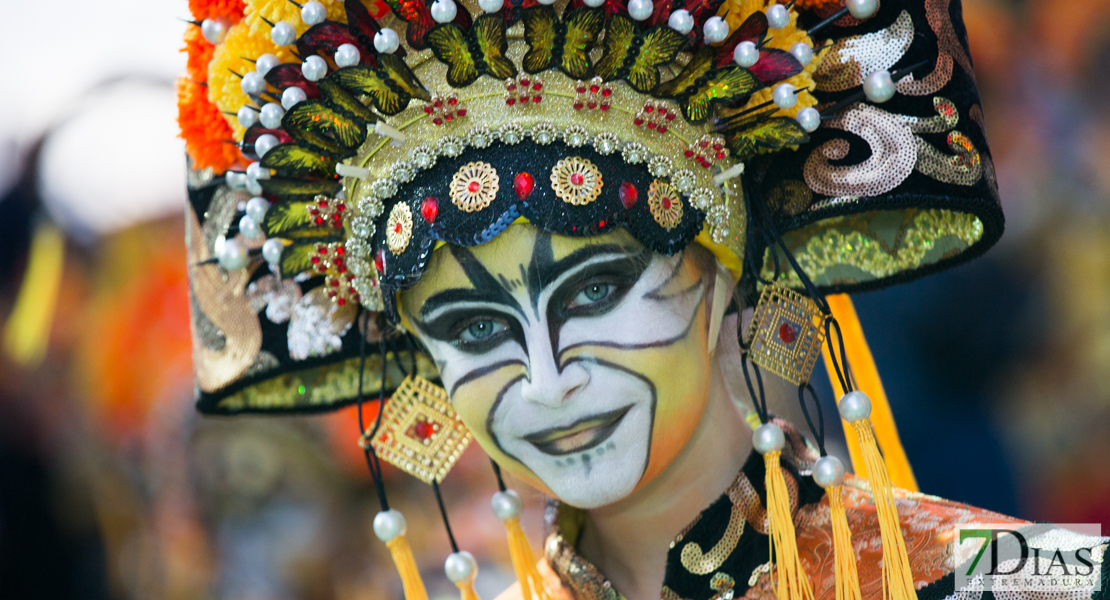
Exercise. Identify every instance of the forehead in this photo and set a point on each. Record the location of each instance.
(506, 258)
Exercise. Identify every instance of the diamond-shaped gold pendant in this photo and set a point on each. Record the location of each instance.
(786, 333)
(420, 433)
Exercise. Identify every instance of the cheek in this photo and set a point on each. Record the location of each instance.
(475, 401)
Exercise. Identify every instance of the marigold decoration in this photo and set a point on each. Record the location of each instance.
(576, 181)
(474, 186)
(208, 139)
(230, 61)
(232, 10)
(199, 53)
(398, 230)
(665, 204)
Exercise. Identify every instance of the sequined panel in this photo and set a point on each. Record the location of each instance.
(962, 168)
(892, 159)
(702, 562)
(851, 59)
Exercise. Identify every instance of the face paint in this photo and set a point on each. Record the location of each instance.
(579, 364)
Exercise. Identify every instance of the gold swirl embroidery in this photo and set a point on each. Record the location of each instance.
(860, 248)
(962, 168)
(703, 564)
(947, 118)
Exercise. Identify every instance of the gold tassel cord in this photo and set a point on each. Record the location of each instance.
(524, 563)
(406, 567)
(844, 554)
(792, 584)
(866, 377)
(897, 578)
(466, 588)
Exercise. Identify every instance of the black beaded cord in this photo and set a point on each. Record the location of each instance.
(362, 318)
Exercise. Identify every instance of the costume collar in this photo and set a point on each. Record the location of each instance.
(720, 555)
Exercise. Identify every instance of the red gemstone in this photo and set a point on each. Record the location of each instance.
(523, 185)
(594, 89)
(340, 250)
(717, 146)
(315, 260)
(720, 156)
(448, 116)
(340, 301)
(577, 179)
(638, 122)
(581, 90)
(437, 121)
(429, 208)
(379, 261)
(786, 333)
(397, 228)
(423, 430)
(606, 92)
(510, 101)
(662, 129)
(591, 105)
(648, 108)
(439, 103)
(473, 187)
(670, 116)
(537, 86)
(428, 109)
(323, 203)
(319, 220)
(628, 194)
(704, 143)
(536, 99)
(651, 125)
(666, 203)
(324, 250)
(578, 106)
(511, 87)
(689, 153)
(604, 107)
(462, 112)
(525, 82)
(342, 207)
(452, 101)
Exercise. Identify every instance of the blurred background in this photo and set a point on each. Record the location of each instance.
(111, 487)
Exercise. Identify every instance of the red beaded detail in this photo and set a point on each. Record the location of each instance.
(523, 91)
(628, 194)
(429, 208)
(329, 260)
(655, 115)
(523, 184)
(421, 431)
(708, 149)
(593, 95)
(445, 109)
(326, 211)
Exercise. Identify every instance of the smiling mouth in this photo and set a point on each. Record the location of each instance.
(578, 436)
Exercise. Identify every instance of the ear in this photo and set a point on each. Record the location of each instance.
(722, 291)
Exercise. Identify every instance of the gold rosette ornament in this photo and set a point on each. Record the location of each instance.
(576, 181)
(474, 186)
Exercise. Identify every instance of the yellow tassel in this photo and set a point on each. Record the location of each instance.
(844, 555)
(524, 562)
(866, 377)
(467, 590)
(792, 584)
(406, 567)
(897, 578)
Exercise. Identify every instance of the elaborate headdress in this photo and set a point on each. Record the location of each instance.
(813, 145)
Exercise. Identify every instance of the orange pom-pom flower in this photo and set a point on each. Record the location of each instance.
(208, 138)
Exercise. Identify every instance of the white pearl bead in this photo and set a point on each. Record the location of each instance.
(252, 84)
(313, 13)
(247, 117)
(879, 87)
(264, 63)
(444, 11)
(270, 115)
(768, 438)
(745, 54)
(257, 207)
(235, 180)
(854, 406)
(256, 172)
(777, 16)
(802, 52)
(784, 96)
(283, 34)
(828, 471)
(389, 524)
(292, 96)
(640, 10)
(715, 30)
(809, 119)
(862, 9)
(347, 55)
(460, 567)
(215, 30)
(233, 255)
(506, 505)
(272, 249)
(249, 227)
(253, 186)
(264, 144)
(314, 68)
(593, 3)
(681, 21)
(491, 6)
(386, 41)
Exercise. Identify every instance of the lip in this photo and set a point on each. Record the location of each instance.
(579, 436)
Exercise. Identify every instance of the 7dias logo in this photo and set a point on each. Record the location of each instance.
(1042, 558)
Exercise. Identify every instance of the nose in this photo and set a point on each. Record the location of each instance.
(546, 384)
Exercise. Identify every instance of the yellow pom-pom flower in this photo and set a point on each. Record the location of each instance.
(284, 10)
(229, 63)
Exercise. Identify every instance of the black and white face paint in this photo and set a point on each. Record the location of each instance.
(580, 364)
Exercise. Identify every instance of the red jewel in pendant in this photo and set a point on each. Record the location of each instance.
(628, 194)
(429, 208)
(423, 430)
(786, 333)
(523, 185)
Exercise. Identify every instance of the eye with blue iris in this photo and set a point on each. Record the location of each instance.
(481, 329)
(591, 294)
